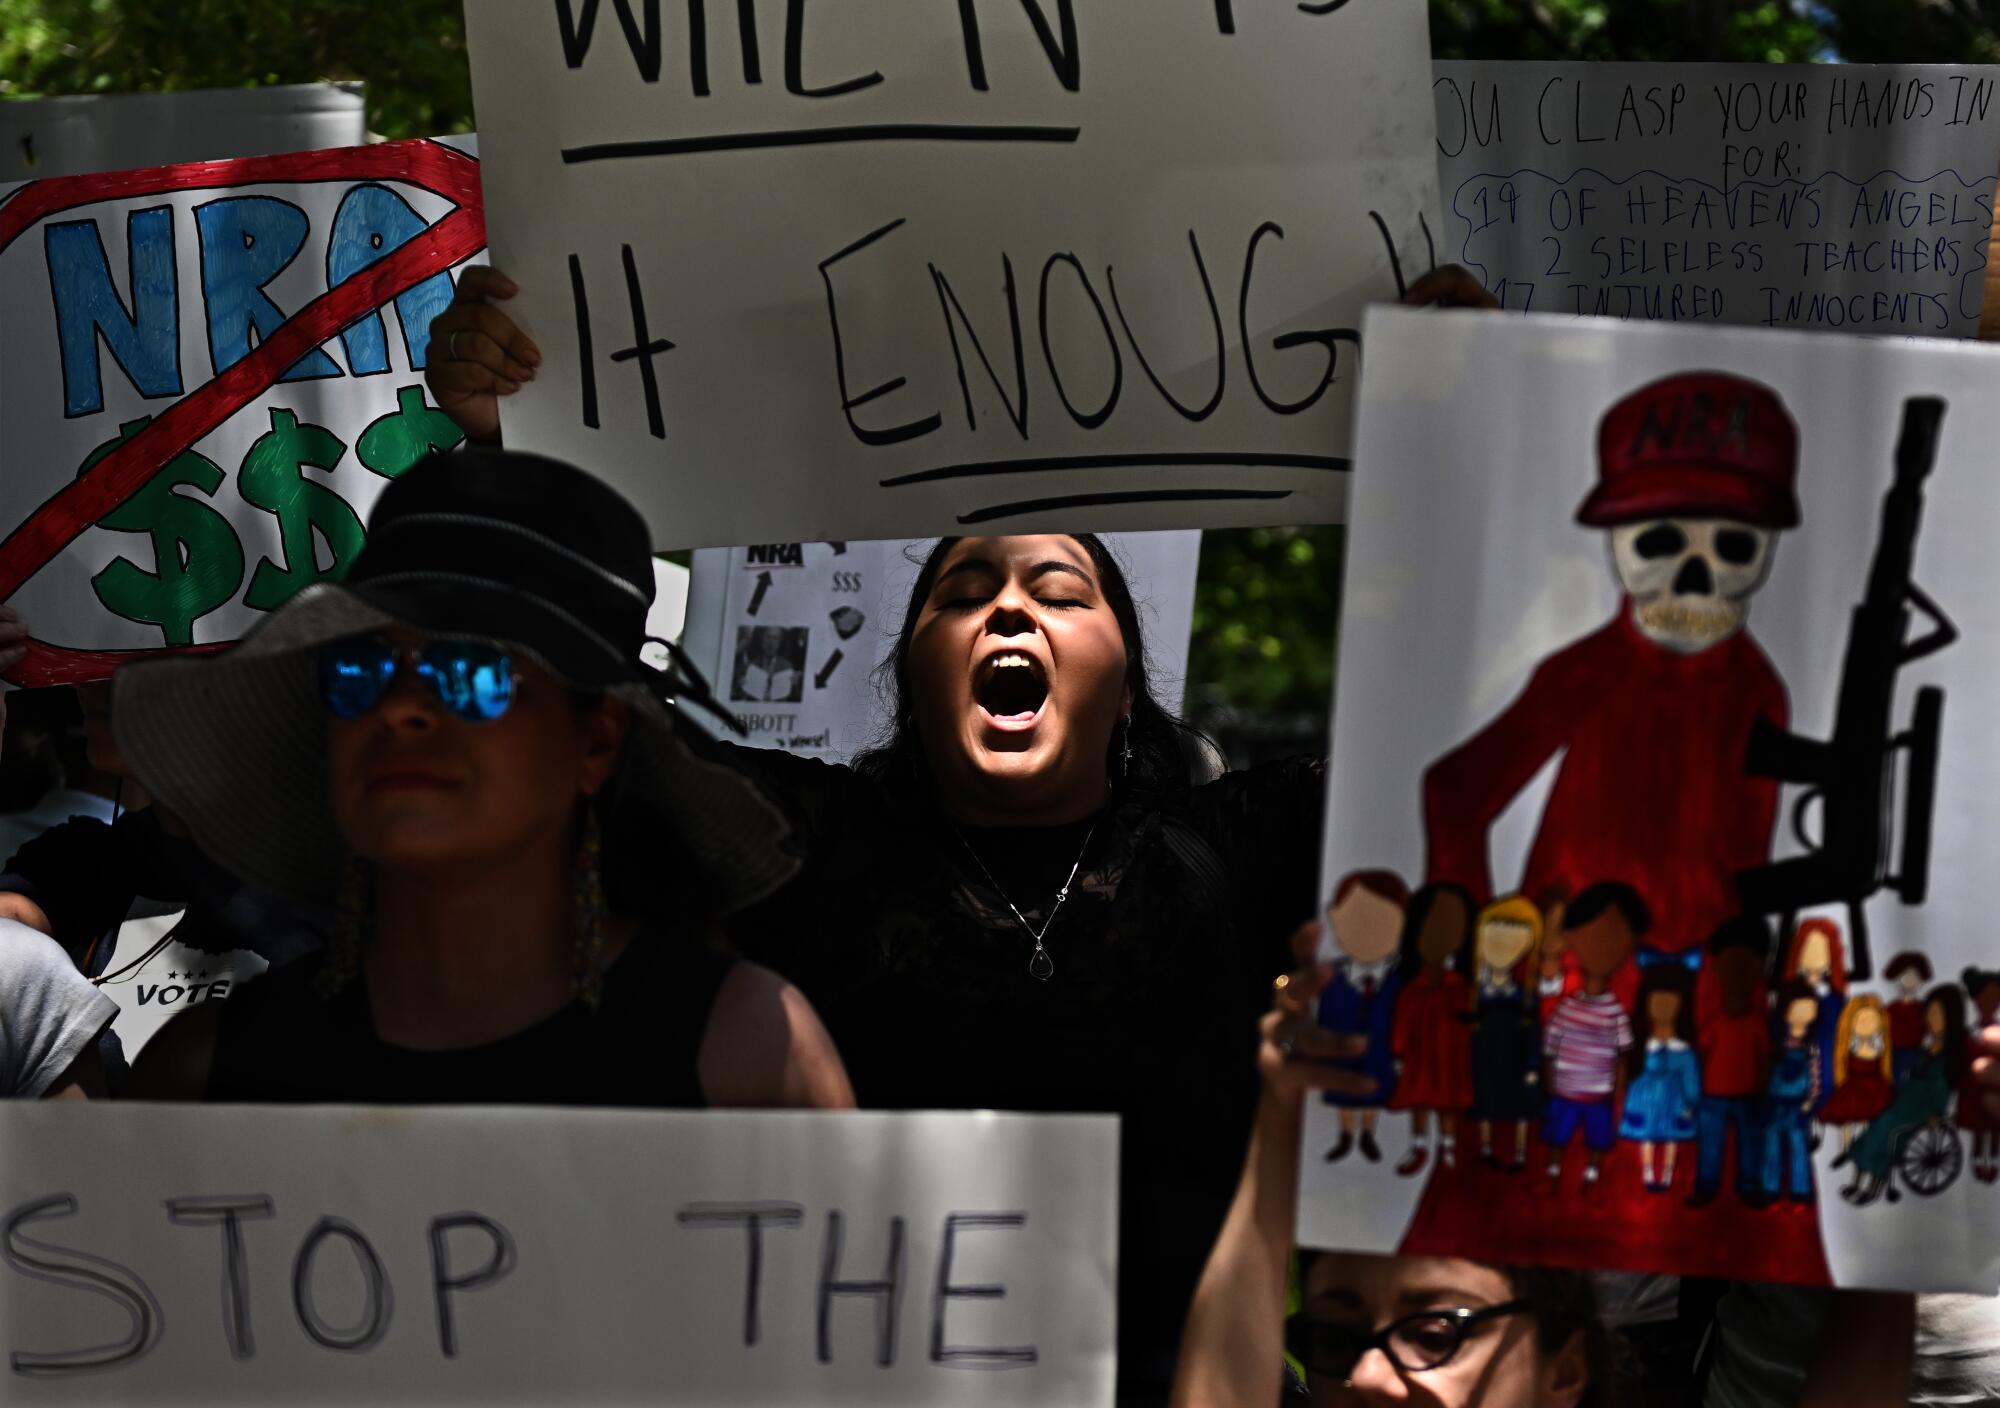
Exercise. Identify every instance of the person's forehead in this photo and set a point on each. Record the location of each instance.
(1385, 1281)
(1015, 550)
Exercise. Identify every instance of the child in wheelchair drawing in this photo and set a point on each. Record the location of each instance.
(1913, 1137)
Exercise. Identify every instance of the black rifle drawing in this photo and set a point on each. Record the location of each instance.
(1852, 774)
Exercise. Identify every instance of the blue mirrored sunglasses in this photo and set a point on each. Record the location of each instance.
(474, 680)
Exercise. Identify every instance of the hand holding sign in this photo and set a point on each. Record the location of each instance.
(485, 355)
(1082, 266)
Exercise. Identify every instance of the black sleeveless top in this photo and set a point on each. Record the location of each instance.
(900, 930)
(279, 1041)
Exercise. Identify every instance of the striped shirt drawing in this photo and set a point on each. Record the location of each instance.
(1585, 1038)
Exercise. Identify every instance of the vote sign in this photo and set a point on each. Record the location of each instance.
(207, 373)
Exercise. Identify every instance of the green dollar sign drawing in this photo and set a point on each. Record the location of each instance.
(195, 550)
(272, 479)
(399, 439)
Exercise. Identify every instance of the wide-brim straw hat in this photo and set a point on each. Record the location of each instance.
(523, 551)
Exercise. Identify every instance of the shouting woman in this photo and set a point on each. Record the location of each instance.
(1023, 900)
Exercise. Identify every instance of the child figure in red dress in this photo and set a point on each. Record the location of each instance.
(1862, 1077)
(1432, 1037)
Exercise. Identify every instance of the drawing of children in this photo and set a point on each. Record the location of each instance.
(1734, 1042)
(1793, 1093)
(1506, 1025)
(1922, 1096)
(1661, 1100)
(1589, 1030)
(1909, 972)
(1818, 956)
(1432, 1040)
(1862, 1079)
(1365, 920)
(1974, 1116)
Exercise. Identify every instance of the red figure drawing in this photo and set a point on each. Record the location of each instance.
(1652, 714)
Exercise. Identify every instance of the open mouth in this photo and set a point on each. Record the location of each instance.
(1010, 687)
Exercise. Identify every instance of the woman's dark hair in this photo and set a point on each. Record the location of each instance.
(1417, 917)
(1952, 1000)
(1563, 1304)
(1161, 744)
(1675, 978)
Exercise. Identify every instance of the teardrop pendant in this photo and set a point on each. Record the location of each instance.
(1041, 965)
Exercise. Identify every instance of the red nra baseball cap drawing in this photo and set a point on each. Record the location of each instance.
(1696, 445)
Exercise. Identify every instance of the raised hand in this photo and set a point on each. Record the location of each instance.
(477, 355)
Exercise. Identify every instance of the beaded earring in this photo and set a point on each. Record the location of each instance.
(588, 980)
(350, 930)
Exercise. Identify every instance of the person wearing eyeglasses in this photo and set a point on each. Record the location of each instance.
(459, 748)
(1369, 1329)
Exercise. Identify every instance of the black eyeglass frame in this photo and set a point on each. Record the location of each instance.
(1459, 1322)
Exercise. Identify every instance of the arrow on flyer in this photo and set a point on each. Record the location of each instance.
(839, 549)
(757, 597)
(826, 670)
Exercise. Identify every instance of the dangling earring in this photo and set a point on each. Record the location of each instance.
(1125, 760)
(587, 982)
(350, 931)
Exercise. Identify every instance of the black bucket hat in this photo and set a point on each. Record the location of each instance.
(526, 552)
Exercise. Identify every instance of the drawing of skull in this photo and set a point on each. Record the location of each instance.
(1695, 482)
(1690, 580)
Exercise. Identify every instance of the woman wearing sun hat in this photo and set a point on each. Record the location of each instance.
(460, 747)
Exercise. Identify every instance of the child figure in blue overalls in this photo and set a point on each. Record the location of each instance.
(1797, 1083)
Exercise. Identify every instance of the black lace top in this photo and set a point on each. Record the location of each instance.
(1163, 957)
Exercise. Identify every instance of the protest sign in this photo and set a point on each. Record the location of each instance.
(294, 1255)
(1657, 868)
(912, 267)
(73, 135)
(792, 635)
(1847, 196)
(209, 372)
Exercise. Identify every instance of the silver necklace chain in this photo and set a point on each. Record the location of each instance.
(1040, 965)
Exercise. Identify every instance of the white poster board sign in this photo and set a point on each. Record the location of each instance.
(912, 267)
(792, 636)
(1846, 196)
(292, 1255)
(209, 372)
(1696, 677)
(69, 136)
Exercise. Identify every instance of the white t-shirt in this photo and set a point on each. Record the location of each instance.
(48, 1011)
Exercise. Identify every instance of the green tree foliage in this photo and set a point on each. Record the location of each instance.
(1267, 601)
(1265, 607)
(1739, 31)
(411, 53)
